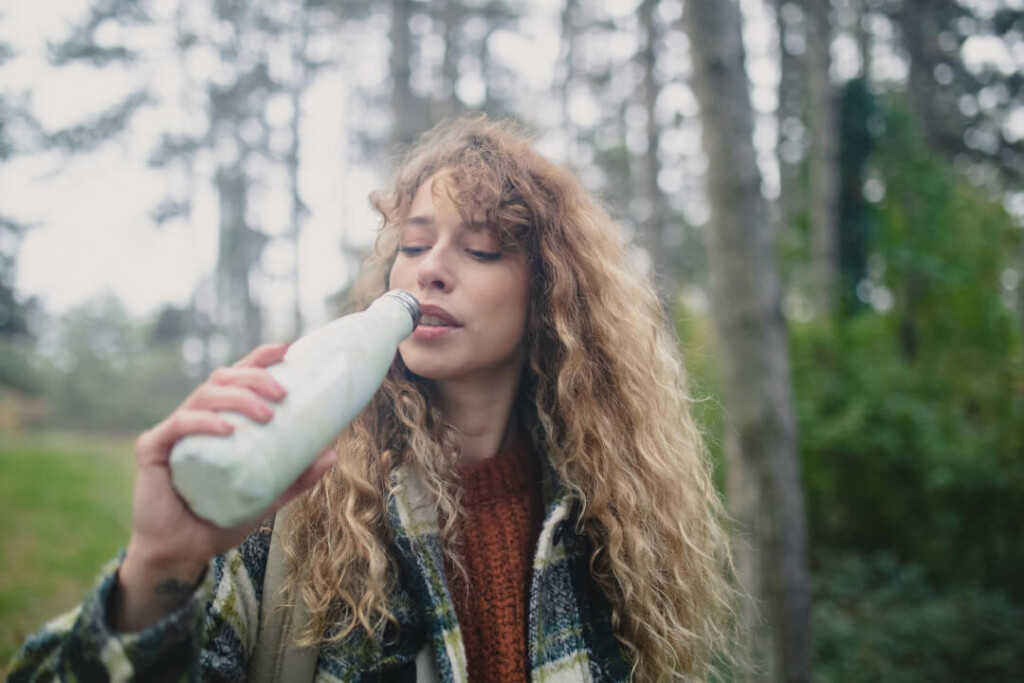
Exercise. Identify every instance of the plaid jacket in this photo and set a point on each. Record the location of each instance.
(211, 635)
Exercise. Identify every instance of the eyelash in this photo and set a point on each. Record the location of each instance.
(479, 255)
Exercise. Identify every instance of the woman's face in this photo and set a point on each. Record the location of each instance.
(474, 295)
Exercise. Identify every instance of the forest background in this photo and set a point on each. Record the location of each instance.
(885, 176)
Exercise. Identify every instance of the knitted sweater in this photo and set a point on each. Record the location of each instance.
(212, 634)
(503, 513)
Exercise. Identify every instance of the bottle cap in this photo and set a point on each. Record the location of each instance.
(410, 303)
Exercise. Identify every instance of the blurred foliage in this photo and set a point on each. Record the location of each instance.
(876, 619)
(917, 413)
(910, 410)
(944, 245)
(893, 460)
(19, 369)
(856, 144)
(108, 372)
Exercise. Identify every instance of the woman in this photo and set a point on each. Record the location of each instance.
(526, 496)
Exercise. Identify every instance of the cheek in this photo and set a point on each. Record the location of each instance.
(398, 277)
(510, 314)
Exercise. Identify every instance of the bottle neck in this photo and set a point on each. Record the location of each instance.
(394, 314)
(412, 306)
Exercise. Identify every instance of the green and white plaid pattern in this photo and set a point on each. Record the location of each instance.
(211, 635)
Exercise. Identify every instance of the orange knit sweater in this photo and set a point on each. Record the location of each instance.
(504, 512)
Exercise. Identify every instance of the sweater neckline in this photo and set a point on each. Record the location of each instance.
(504, 475)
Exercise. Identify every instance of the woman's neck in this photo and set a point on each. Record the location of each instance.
(483, 415)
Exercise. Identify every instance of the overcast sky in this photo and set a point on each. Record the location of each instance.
(95, 233)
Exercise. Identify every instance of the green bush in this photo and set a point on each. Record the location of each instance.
(18, 369)
(878, 620)
(891, 462)
(911, 418)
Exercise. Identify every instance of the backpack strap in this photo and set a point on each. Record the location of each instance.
(276, 657)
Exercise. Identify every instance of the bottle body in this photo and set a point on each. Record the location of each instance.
(330, 376)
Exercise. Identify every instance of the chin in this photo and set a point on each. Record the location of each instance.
(425, 368)
(429, 373)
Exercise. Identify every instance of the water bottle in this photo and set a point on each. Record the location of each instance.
(330, 375)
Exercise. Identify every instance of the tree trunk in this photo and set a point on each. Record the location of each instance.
(824, 170)
(449, 105)
(856, 106)
(862, 35)
(569, 11)
(491, 106)
(760, 445)
(919, 27)
(298, 207)
(239, 250)
(791, 94)
(403, 103)
(652, 230)
(201, 309)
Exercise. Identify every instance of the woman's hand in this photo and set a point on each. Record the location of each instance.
(170, 547)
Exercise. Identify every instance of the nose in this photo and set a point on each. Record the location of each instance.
(435, 272)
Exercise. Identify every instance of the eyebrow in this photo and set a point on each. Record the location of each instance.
(428, 221)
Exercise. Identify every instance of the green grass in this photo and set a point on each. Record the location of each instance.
(65, 510)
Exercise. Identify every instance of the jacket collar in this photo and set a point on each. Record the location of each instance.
(556, 647)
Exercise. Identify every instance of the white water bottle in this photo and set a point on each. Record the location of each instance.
(330, 375)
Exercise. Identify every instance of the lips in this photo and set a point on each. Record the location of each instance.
(435, 323)
(434, 314)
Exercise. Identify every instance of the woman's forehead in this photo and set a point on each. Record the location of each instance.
(486, 201)
(442, 188)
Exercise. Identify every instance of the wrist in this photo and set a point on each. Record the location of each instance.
(140, 560)
(147, 591)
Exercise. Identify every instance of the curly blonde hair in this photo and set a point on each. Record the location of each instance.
(604, 383)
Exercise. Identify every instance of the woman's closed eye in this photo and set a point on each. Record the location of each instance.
(478, 254)
(484, 255)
